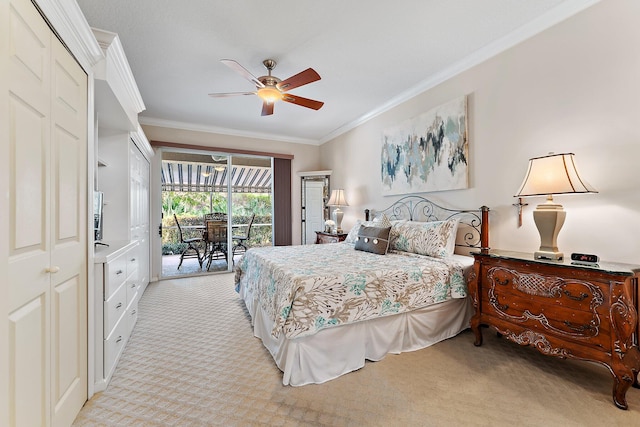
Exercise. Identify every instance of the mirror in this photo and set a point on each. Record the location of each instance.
(314, 197)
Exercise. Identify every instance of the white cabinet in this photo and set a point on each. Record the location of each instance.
(118, 281)
(123, 152)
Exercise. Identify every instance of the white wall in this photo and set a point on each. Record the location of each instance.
(572, 88)
(305, 158)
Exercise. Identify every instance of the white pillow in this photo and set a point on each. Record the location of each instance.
(382, 222)
(436, 238)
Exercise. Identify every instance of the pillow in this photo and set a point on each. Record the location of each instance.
(373, 239)
(383, 221)
(436, 238)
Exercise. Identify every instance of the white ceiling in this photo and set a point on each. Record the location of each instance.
(371, 55)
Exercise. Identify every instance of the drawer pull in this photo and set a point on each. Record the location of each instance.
(502, 307)
(580, 297)
(119, 272)
(119, 339)
(133, 285)
(133, 312)
(119, 305)
(53, 269)
(578, 328)
(133, 260)
(502, 282)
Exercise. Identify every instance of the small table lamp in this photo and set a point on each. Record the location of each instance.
(337, 199)
(549, 175)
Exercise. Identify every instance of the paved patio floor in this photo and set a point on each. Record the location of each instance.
(190, 266)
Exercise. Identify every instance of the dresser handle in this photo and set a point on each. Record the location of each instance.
(133, 312)
(119, 339)
(133, 285)
(119, 272)
(503, 307)
(580, 297)
(502, 282)
(53, 269)
(118, 306)
(578, 328)
(133, 260)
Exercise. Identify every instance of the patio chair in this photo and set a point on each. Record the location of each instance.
(216, 241)
(240, 241)
(215, 216)
(191, 250)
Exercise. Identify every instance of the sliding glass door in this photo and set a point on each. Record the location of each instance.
(201, 190)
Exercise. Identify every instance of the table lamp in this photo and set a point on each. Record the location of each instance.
(546, 176)
(337, 199)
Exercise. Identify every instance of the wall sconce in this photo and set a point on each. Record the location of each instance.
(546, 176)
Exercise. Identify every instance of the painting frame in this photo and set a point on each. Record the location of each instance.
(427, 153)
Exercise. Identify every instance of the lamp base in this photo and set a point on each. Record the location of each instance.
(553, 256)
(549, 218)
(337, 218)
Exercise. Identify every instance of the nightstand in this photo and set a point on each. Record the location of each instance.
(324, 237)
(587, 312)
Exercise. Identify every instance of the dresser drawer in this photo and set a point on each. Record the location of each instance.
(132, 261)
(132, 315)
(115, 274)
(530, 285)
(583, 327)
(113, 345)
(114, 307)
(132, 286)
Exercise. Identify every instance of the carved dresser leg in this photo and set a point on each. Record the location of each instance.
(475, 327)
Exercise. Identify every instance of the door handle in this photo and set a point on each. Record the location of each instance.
(53, 269)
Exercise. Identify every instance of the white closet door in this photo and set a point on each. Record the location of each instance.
(29, 100)
(68, 237)
(46, 267)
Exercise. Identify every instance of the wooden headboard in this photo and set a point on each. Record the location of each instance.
(473, 229)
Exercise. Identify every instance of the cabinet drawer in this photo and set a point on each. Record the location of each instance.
(530, 285)
(114, 344)
(132, 315)
(115, 275)
(132, 261)
(114, 307)
(132, 286)
(589, 328)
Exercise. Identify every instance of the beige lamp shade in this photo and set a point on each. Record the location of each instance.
(553, 174)
(548, 175)
(337, 198)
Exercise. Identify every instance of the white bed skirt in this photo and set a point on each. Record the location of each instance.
(338, 350)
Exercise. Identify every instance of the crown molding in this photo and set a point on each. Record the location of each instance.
(117, 61)
(151, 121)
(67, 20)
(554, 16)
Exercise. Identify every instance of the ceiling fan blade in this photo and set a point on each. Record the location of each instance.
(242, 71)
(302, 78)
(305, 102)
(267, 108)
(223, 95)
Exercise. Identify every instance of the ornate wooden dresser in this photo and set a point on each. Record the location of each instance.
(587, 312)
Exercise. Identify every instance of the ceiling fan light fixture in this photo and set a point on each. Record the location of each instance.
(269, 94)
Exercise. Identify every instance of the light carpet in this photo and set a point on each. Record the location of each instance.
(193, 361)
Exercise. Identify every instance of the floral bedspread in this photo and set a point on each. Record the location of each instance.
(311, 287)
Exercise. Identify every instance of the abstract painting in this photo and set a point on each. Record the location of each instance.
(427, 153)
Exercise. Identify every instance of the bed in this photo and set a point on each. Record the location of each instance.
(322, 310)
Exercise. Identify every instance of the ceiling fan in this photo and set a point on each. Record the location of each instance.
(272, 89)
